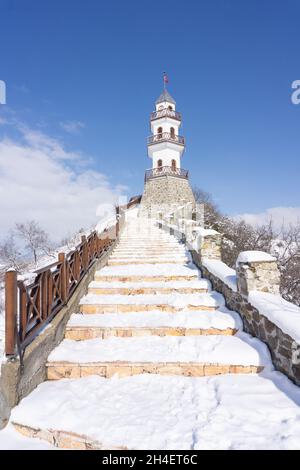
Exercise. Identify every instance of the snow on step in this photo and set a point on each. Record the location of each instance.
(104, 287)
(93, 303)
(221, 319)
(162, 256)
(154, 412)
(128, 261)
(194, 284)
(228, 350)
(149, 270)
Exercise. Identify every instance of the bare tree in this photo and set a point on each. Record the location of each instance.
(35, 239)
(212, 215)
(239, 236)
(10, 254)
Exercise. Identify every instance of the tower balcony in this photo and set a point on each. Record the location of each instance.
(166, 170)
(165, 137)
(165, 113)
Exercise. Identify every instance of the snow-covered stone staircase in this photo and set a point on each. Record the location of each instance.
(154, 314)
(147, 312)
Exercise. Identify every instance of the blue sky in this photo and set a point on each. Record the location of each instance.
(230, 65)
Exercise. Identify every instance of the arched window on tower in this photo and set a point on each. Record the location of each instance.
(172, 132)
(159, 165)
(159, 133)
(170, 108)
(173, 165)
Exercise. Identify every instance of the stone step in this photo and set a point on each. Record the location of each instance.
(135, 288)
(148, 273)
(118, 261)
(153, 412)
(80, 333)
(169, 355)
(146, 260)
(151, 250)
(141, 256)
(93, 303)
(150, 243)
(160, 248)
(157, 323)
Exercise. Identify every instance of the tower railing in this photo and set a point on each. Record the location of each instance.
(165, 113)
(166, 170)
(165, 136)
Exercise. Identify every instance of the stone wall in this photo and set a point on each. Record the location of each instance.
(258, 275)
(164, 191)
(16, 384)
(285, 351)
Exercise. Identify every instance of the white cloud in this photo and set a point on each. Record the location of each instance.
(279, 216)
(37, 182)
(73, 127)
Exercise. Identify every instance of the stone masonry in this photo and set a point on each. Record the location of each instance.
(260, 276)
(164, 191)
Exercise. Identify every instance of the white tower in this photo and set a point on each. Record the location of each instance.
(166, 183)
(165, 145)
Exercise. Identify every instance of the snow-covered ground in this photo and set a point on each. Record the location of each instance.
(156, 412)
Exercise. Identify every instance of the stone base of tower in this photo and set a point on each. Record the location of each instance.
(164, 193)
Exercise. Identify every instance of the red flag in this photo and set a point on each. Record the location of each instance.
(166, 80)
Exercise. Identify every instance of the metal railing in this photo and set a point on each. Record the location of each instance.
(165, 113)
(165, 136)
(166, 170)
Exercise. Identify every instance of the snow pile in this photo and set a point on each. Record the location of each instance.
(279, 311)
(254, 257)
(205, 232)
(221, 319)
(155, 412)
(221, 271)
(240, 349)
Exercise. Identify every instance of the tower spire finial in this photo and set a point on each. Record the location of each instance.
(165, 79)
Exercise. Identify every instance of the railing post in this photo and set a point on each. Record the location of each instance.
(118, 221)
(11, 305)
(84, 252)
(63, 277)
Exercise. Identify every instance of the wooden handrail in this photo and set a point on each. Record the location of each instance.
(51, 289)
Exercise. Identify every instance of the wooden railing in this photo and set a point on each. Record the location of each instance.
(166, 170)
(28, 308)
(165, 113)
(165, 136)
